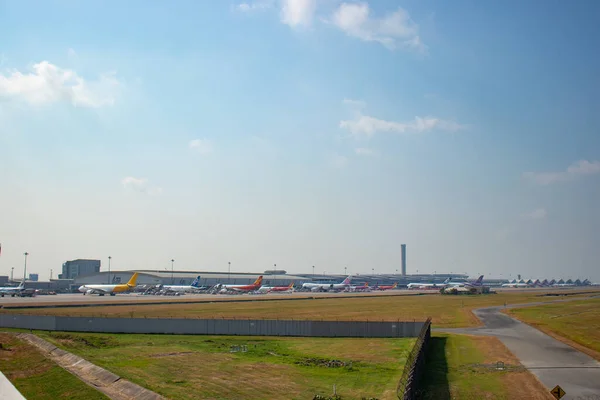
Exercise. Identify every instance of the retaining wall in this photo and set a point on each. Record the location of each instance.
(214, 326)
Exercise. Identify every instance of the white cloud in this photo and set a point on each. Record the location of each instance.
(254, 6)
(355, 103)
(363, 151)
(394, 30)
(140, 185)
(539, 213)
(338, 161)
(47, 83)
(202, 146)
(579, 168)
(298, 12)
(368, 126)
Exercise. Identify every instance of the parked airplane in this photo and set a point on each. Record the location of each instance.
(429, 285)
(110, 289)
(12, 290)
(516, 285)
(477, 282)
(386, 287)
(468, 286)
(267, 289)
(241, 288)
(363, 288)
(315, 287)
(184, 288)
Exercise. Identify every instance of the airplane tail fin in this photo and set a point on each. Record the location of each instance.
(347, 280)
(258, 281)
(291, 285)
(366, 284)
(447, 280)
(133, 279)
(395, 285)
(196, 282)
(479, 280)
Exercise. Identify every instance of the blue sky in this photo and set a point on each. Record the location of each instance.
(301, 132)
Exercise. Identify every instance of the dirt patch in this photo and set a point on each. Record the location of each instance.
(179, 353)
(524, 385)
(97, 342)
(321, 362)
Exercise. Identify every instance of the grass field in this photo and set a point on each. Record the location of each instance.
(462, 367)
(202, 367)
(446, 311)
(576, 322)
(38, 378)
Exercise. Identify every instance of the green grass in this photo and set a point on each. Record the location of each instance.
(463, 367)
(38, 378)
(577, 321)
(446, 311)
(456, 370)
(195, 367)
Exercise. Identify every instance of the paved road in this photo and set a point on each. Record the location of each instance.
(553, 362)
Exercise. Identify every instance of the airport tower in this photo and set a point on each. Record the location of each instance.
(403, 246)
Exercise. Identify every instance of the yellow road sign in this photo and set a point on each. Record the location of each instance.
(557, 392)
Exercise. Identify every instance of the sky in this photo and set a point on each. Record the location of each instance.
(301, 133)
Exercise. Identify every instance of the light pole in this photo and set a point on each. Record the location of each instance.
(313, 271)
(25, 269)
(274, 273)
(345, 268)
(229, 271)
(109, 258)
(11, 272)
(373, 271)
(172, 281)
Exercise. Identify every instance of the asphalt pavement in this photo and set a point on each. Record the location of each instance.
(551, 361)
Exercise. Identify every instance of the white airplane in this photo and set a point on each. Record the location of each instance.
(315, 287)
(268, 289)
(12, 290)
(465, 286)
(184, 288)
(240, 288)
(362, 288)
(109, 289)
(429, 285)
(516, 285)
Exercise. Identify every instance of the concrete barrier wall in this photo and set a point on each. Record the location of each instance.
(214, 326)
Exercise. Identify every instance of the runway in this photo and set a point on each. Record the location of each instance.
(551, 361)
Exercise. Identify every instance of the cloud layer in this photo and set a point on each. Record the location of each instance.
(298, 12)
(394, 30)
(140, 185)
(363, 151)
(47, 83)
(575, 170)
(539, 213)
(202, 146)
(367, 126)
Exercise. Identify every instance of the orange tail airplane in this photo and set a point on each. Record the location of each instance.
(388, 287)
(244, 288)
